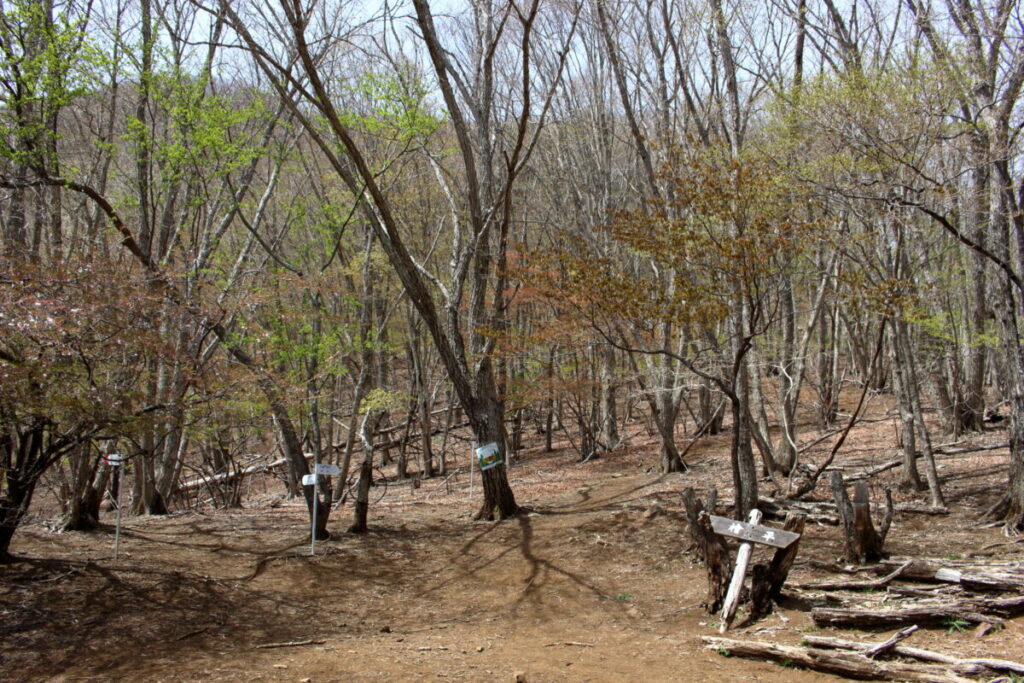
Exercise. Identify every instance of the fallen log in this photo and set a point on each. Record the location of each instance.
(849, 664)
(912, 508)
(969, 666)
(972, 576)
(813, 512)
(859, 585)
(977, 610)
(199, 482)
(893, 464)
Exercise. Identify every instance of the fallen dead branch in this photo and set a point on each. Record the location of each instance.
(850, 664)
(911, 508)
(889, 644)
(970, 666)
(858, 585)
(291, 643)
(984, 550)
(893, 464)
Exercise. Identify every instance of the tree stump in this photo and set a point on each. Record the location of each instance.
(863, 543)
(710, 548)
(767, 579)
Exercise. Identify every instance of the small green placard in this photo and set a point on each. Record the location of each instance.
(488, 456)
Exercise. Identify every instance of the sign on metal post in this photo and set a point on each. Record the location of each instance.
(310, 480)
(117, 460)
(320, 469)
(488, 456)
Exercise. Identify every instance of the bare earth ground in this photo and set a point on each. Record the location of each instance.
(595, 584)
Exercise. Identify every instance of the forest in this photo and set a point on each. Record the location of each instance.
(247, 241)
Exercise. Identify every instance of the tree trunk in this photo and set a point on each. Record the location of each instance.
(83, 504)
(910, 479)
(744, 467)
(609, 414)
(901, 338)
(13, 506)
(499, 501)
(367, 431)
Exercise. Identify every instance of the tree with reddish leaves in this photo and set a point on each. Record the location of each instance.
(74, 342)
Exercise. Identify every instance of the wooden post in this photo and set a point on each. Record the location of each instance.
(742, 560)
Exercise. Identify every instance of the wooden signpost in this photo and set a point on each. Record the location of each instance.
(748, 532)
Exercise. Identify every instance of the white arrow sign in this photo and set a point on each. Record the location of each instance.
(755, 533)
(327, 470)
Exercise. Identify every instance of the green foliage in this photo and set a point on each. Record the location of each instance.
(392, 107)
(862, 123)
(198, 130)
(378, 399)
(954, 625)
(46, 61)
(942, 325)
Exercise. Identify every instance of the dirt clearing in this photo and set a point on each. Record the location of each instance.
(594, 584)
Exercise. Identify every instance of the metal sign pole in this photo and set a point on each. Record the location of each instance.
(319, 470)
(120, 487)
(472, 457)
(312, 531)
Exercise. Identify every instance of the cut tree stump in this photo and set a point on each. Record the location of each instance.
(768, 579)
(849, 664)
(863, 543)
(710, 548)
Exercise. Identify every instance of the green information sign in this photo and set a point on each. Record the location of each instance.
(488, 456)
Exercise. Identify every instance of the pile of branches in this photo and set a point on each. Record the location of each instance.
(952, 594)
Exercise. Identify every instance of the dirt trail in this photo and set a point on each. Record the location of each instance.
(593, 585)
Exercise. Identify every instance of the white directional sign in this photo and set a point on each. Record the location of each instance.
(114, 459)
(327, 470)
(309, 480)
(753, 533)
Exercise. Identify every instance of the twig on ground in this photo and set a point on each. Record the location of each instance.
(291, 643)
